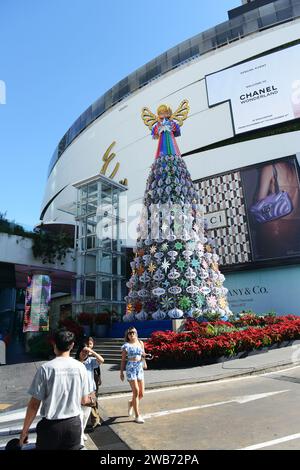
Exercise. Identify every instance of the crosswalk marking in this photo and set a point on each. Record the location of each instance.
(14, 415)
(11, 424)
(261, 445)
(198, 384)
(241, 400)
(3, 406)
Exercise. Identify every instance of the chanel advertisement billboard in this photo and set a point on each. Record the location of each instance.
(266, 90)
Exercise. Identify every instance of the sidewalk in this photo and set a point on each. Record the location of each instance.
(255, 363)
(15, 380)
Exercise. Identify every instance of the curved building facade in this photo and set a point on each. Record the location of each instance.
(243, 88)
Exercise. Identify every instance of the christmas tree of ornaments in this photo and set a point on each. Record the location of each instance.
(175, 271)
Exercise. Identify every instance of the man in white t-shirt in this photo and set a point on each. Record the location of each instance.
(61, 385)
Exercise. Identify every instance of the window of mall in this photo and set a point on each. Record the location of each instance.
(100, 250)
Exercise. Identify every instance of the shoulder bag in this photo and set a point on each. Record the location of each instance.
(274, 206)
(145, 367)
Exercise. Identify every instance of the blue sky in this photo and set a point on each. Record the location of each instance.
(57, 57)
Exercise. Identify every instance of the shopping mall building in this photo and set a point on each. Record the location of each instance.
(242, 81)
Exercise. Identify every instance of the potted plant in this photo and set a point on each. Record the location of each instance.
(102, 321)
(86, 320)
(51, 247)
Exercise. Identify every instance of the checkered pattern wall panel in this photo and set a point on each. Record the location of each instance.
(225, 193)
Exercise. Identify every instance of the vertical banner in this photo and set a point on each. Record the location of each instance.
(37, 299)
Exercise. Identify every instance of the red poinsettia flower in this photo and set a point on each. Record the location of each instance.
(195, 342)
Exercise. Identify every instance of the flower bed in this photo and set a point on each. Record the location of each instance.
(205, 342)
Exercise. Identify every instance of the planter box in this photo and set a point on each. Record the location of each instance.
(285, 343)
(274, 346)
(202, 361)
(239, 355)
(253, 352)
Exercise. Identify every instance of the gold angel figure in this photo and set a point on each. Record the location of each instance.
(165, 126)
(165, 112)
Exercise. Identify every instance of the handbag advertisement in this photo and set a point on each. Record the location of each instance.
(272, 202)
(253, 214)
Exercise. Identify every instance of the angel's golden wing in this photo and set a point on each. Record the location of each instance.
(181, 112)
(149, 118)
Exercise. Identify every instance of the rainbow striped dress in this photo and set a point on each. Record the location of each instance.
(166, 131)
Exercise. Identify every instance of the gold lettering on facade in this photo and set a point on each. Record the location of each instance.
(107, 158)
(113, 174)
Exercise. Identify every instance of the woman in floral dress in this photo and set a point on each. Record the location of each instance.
(133, 352)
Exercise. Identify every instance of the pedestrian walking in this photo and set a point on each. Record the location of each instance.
(91, 360)
(95, 412)
(61, 386)
(133, 352)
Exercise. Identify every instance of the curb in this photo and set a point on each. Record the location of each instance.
(12, 431)
(247, 372)
(213, 378)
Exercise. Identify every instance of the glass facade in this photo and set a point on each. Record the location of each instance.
(247, 23)
(101, 253)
